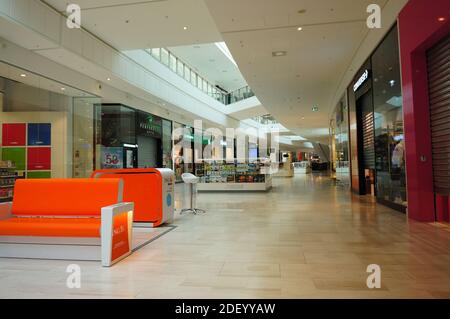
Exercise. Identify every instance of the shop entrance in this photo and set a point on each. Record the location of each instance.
(148, 154)
(366, 143)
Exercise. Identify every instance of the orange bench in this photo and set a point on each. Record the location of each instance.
(79, 219)
(150, 189)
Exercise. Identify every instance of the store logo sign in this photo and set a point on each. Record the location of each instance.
(374, 19)
(74, 16)
(361, 80)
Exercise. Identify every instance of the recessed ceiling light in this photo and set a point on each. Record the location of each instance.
(303, 118)
(299, 28)
(63, 89)
(185, 28)
(279, 53)
(108, 79)
(23, 75)
(441, 19)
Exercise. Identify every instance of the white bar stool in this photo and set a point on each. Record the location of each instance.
(192, 181)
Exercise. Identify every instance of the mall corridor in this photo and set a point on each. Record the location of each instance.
(307, 238)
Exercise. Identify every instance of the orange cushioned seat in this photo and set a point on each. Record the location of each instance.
(51, 227)
(60, 207)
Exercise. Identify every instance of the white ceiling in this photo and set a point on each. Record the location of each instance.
(151, 24)
(317, 57)
(211, 63)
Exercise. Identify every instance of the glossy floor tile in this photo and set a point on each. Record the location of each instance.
(307, 238)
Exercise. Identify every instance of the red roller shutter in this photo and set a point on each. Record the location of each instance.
(439, 91)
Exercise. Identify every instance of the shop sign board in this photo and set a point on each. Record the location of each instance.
(149, 125)
(364, 77)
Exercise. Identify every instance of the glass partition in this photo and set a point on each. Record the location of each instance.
(83, 136)
(389, 136)
(342, 142)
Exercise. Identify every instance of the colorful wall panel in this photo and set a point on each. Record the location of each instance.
(16, 155)
(34, 175)
(39, 134)
(39, 158)
(29, 147)
(14, 134)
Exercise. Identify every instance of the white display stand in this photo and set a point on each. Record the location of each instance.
(302, 168)
(236, 187)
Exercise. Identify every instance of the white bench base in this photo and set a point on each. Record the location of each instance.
(46, 250)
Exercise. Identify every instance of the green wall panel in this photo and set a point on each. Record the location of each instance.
(16, 155)
(33, 175)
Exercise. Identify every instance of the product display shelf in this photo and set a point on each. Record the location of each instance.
(7, 181)
(220, 176)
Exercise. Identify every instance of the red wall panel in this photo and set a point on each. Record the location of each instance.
(420, 27)
(14, 134)
(39, 158)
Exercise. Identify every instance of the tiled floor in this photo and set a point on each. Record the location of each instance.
(304, 239)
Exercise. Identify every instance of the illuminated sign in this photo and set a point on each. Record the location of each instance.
(361, 80)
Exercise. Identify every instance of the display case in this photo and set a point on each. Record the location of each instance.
(222, 176)
(7, 181)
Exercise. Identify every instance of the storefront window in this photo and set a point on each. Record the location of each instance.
(51, 128)
(342, 142)
(178, 151)
(389, 134)
(136, 139)
(167, 144)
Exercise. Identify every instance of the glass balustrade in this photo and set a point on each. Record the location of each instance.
(183, 70)
(265, 120)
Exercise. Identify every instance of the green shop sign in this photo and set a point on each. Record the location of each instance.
(149, 125)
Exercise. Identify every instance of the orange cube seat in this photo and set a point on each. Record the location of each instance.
(150, 189)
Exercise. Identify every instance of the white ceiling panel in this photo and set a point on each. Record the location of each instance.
(133, 24)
